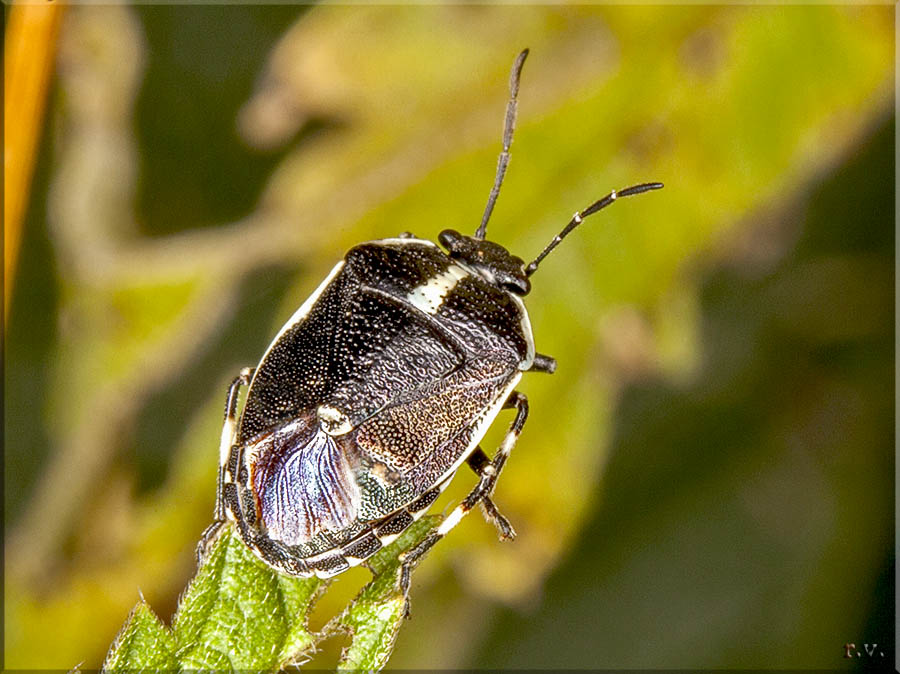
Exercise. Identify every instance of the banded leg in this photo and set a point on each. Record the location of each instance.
(226, 442)
(478, 461)
(489, 473)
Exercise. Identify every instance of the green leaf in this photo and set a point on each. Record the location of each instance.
(238, 613)
(144, 642)
(374, 618)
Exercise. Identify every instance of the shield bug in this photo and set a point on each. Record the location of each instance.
(378, 389)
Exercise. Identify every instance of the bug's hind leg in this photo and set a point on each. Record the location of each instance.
(478, 461)
(226, 444)
(489, 473)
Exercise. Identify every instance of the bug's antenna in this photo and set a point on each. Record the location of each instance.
(579, 217)
(509, 127)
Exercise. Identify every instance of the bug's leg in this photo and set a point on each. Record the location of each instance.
(226, 442)
(477, 461)
(229, 436)
(542, 363)
(489, 474)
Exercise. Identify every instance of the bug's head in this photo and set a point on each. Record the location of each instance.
(491, 260)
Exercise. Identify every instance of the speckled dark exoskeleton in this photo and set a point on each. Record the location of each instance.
(378, 389)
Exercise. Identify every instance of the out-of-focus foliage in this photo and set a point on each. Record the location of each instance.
(202, 169)
(745, 495)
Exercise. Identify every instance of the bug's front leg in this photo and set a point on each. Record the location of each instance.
(489, 472)
(542, 363)
(226, 444)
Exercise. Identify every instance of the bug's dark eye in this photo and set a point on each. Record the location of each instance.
(451, 240)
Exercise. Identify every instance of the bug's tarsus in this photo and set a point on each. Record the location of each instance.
(494, 516)
(477, 461)
(509, 126)
(209, 535)
(579, 217)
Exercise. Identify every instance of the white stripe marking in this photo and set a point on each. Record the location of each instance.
(226, 441)
(396, 241)
(430, 295)
(452, 520)
(525, 322)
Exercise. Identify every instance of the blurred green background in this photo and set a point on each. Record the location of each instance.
(707, 480)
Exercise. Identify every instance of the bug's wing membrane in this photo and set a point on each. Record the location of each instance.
(303, 482)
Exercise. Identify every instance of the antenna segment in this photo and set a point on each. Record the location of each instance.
(579, 217)
(508, 128)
